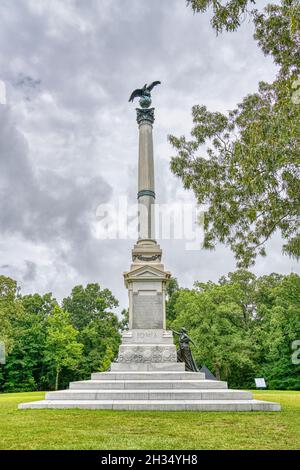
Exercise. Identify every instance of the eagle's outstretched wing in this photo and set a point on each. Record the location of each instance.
(136, 93)
(150, 87)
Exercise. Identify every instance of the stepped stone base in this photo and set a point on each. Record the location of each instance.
(152, 389)
(158, 405)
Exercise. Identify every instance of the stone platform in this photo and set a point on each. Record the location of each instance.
(153, 387)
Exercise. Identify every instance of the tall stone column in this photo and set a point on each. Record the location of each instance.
(147, 345)
(146, 191)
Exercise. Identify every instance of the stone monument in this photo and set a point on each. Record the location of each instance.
(146, 374)
(147, 345)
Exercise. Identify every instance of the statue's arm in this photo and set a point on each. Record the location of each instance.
(176, 332)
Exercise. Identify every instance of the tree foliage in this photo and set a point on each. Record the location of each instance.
(50, 346)
(90, 310)
(244, 327)
(245, 165)
(86, 304)
(281, 323)
(62, 349)
(25, 366)
(10, 309)
(228, 15)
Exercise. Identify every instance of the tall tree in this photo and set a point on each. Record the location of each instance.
(248, 175)
(62, 349)
(213, 319)
(99, 329)
(88, 303)
(231, 14)
(244, 327)
(172, 292)
(25, 368)
(280, 328)
(10, 309)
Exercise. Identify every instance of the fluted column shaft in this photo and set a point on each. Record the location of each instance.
(146, 188)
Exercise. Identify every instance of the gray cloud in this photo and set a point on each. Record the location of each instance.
(31, 271)
(44, 206)
(68, 137)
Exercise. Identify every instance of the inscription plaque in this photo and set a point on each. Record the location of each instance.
(147, 311)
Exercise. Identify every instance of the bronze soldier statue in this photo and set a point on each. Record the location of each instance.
(184, 353)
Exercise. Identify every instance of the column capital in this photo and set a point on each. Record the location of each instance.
(145, 116)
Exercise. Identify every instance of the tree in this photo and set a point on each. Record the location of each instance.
(124, 324)
(244, 327)
(249, 173)
(281, 326)
(44, 343)
(10, 309)
(277, 31)
(172, 292)
(62, 349)
(215, 318)
(88, 303)
(25, 368)
(99, 328)
(101, 338)
(229, 15)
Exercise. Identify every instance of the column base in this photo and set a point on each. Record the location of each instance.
(147, 367)
(147, 346)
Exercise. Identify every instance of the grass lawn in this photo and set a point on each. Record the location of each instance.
(96, 429)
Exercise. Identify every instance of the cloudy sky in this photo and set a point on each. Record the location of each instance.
(68, 136)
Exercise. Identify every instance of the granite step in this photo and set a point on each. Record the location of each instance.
(169, 394)
(148, 375)
(157, 405)
(147, 384)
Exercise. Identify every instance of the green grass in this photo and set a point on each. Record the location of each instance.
(96, 429)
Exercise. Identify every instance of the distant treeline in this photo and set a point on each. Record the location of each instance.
(243, 326)
(48, 344)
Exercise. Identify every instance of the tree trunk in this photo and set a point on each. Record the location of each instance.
(56, 378)
(218, 373)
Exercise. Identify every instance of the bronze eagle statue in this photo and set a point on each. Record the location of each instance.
(145, 91)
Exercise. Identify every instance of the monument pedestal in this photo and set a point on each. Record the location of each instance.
(146, 284)
(147, 341)
(145, 346)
